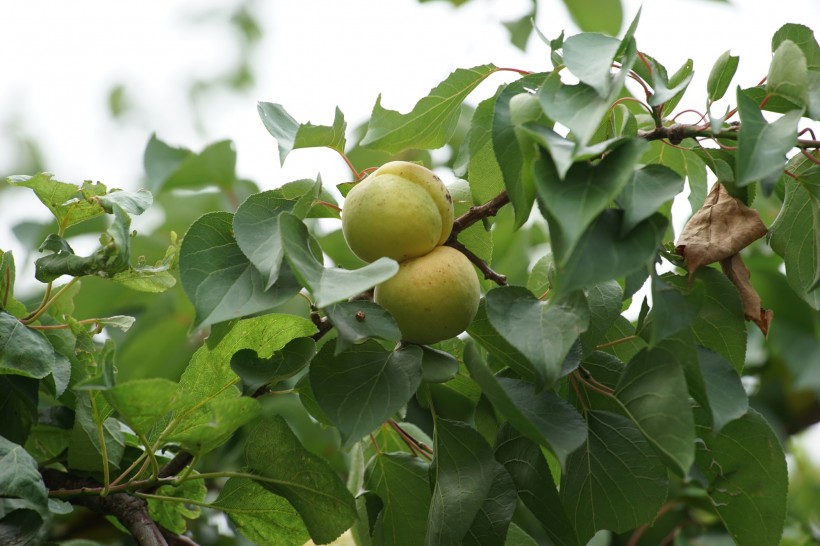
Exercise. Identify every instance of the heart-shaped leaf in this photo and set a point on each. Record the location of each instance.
(327, 285)
(362, 387)
(356, 321)
(284, 363)
(218, 278)
(256, 224)
(543, 332)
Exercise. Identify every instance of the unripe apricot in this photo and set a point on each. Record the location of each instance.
(401, 210)
(432, 297)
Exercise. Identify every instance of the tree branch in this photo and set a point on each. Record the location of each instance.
(479, 212)
(131, 511)
(479, 263)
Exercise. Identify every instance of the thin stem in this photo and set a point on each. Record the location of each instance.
(615, 342)
(631, 99)
(166, 498)
(63, 326)
(516, 70)
(328, 205)
(636, 536)
(46, 304)
(103, 451)
(350, 166)
(810, 157)
(606, 391)
(411, 442)
(589, 377)
(574, 383)
(375, 444)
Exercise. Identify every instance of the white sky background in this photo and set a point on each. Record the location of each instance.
(59, 61)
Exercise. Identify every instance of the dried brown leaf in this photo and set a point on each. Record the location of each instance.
(734, 268)
(722, 227)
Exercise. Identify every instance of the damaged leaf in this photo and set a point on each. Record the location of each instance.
(734, 268)
(721, 228)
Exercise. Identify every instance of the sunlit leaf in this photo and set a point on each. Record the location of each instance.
(291, 135)
(432, 120)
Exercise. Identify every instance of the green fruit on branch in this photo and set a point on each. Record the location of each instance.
(401, 210)
(433, 297)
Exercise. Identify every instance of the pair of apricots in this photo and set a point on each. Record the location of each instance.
(403, 211)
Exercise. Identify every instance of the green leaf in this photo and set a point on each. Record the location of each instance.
(723, 392)
(579, 107)
(174, 515)
(489, 528)
(261, 516)
(291, 135)
(19, 396)
(401, 482)
(96, 439)
(794, 235)
(673, 308)
(356, 321)
(437, 366)
(209, 426)
(788, 74)
(528, 469)
(585, 191)
(256, 224)
(596, 15)
(22, 527)
(321, 498)
(23, 351)
(686, 163)
(563, 151)
(615, 481)
(746, 469)
(362, 387)
(512, 155)
(433, 119)
(589, 57)
(483, 171)
(465, 469)
(669, 90)
(19, 476)
(218, 278)
(111, 258)
(284, 363)
(499, 348)
(803, 36)
(131, 202)
(653, 392)
(332, 284)
(69, 203)
(543, 332)
(721, 75)
(601, 254)
(762, 146)
(209, 374)
(719, 325)
(543, 417)
(645, 193)
(168, 168)
(141, 403)
(604, 301)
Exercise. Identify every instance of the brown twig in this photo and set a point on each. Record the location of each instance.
(489, 274)
(131, 511)
(479, 212)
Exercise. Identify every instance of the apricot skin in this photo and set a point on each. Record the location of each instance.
(433, 297)
(402, 210)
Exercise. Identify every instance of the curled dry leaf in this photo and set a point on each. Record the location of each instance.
(720, 229)
(734, 268)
